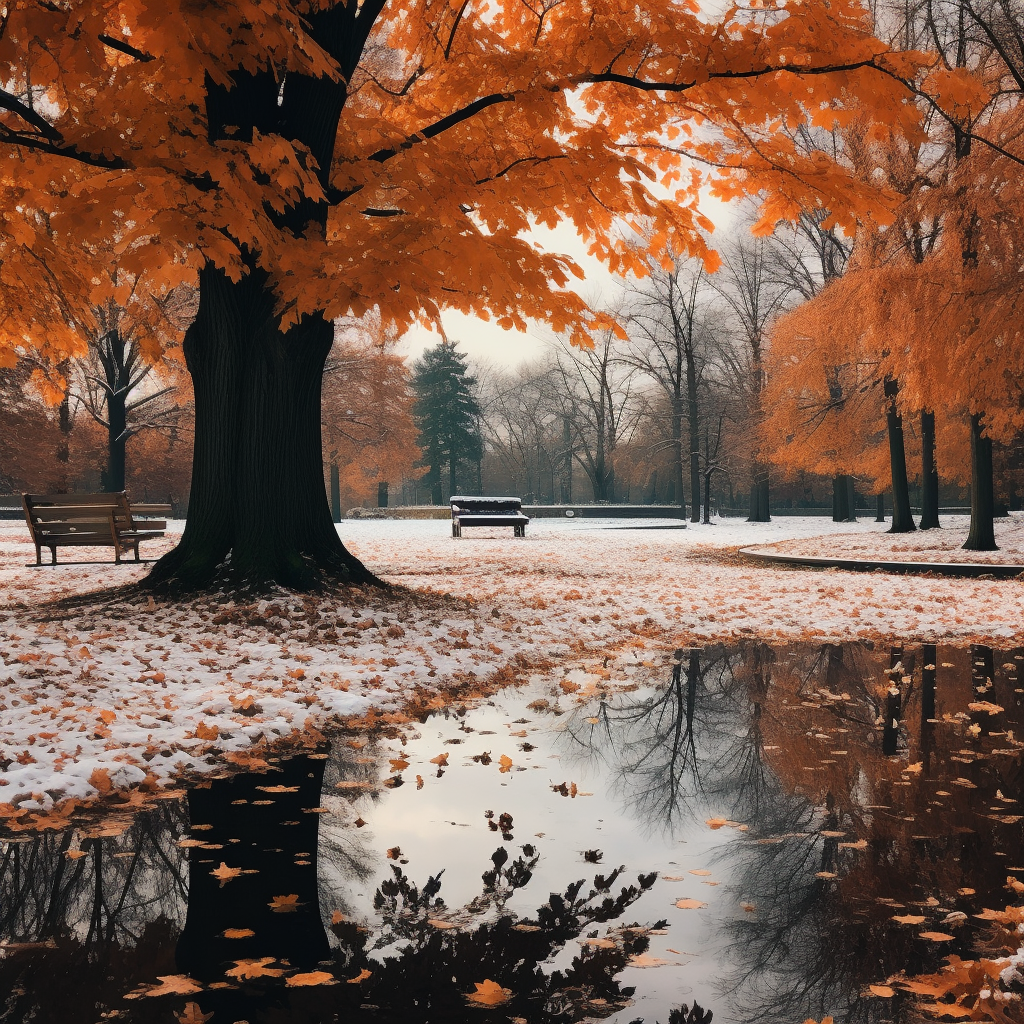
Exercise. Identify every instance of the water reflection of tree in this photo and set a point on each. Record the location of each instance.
(922, 823)
(261, 909)
(653, 744)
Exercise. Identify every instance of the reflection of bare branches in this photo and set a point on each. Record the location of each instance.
(102, 898)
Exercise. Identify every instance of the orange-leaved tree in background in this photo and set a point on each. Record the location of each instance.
(303, 161)
(369, 432)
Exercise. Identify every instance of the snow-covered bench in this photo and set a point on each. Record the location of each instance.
(480, 511)
(93, 520)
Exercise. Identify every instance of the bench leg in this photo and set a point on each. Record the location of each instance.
(53, 555)
(137, 559)
(117, 554)
(39, 555)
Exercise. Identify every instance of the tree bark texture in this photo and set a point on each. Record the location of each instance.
(982, 535)
(759, 512)
(902, 520)
(257, 477)
(929, 473)
(842, 499)
(335, 493)
(117, 423)
(258, 494)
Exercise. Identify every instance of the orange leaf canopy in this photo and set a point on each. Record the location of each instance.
(463, 125)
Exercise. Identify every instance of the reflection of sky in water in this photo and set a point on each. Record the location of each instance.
(805, 913)
(443, 826)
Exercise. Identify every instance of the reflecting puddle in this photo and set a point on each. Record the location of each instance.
(766, 832)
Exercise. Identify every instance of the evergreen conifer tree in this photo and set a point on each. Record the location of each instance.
(447, 416)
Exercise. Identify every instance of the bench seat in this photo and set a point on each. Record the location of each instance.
(481, 511)
(91, 520)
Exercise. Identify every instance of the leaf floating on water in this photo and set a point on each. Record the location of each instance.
(489, 993)
(984, 705)
(437, 923)
(825, 874)
(311, 978)
(936, 936)
(908, 919)
(828, 834)
(75, 854)
(702, 872)
(419, 781)
(645, 960)
(690, 904)
(361, 976)
(882, 990)
(193, 1014)
(285, 904)
(278, 789)
(224, 874)
(245, 969)
(947, 1010)
(716, 823)
(861, 844)
(170, 985)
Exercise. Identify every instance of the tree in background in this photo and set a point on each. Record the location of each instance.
(368, 428)
(754, 297)
(303, 162)
(125, 392)
(671, 333)
(595, 391)
(447, 417)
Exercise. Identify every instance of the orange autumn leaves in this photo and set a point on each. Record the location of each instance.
(461, 129)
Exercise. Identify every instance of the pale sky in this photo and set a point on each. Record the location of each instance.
(486, 342)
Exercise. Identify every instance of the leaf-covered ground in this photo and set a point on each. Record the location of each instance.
(114, 691)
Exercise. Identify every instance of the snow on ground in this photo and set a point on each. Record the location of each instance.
(117, 690)
(870, 540)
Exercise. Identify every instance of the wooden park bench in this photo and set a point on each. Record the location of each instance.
(470, 511)
(93, 520)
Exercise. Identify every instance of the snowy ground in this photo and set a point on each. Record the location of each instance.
(870, 540)
(120, 691)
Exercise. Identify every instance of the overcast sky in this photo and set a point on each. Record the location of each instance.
(486, 342)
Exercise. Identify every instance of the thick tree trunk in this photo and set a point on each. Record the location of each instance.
(902, 520)
(117, 421)
(759, 512)
(880, 507)
(335, 493)
(982, 536)
(929, 474)
(257, 477)
(842, 499)
(382, 494)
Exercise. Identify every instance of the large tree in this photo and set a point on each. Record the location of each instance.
(303, 160)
